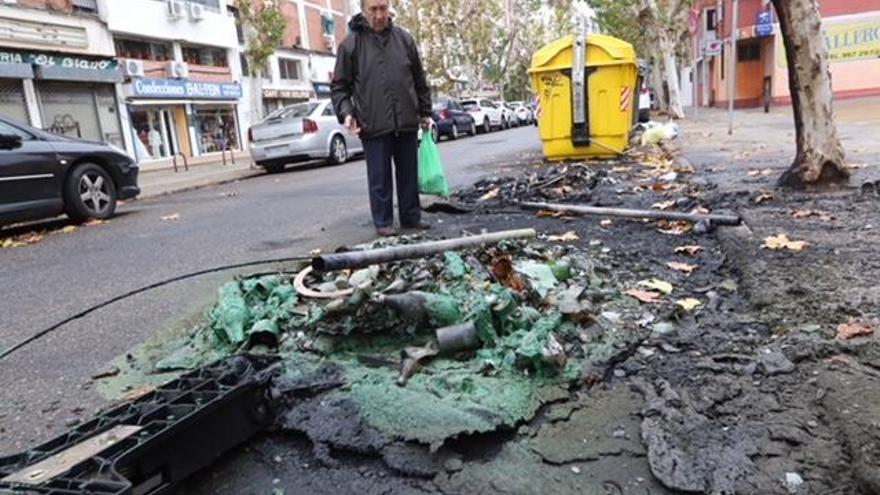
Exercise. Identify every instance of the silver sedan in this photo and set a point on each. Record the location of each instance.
(302, 132)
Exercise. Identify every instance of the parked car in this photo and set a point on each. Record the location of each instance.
(485, 113)
(452, 120)
(524, 115)
(301, 132)
(43, 175)
(506, 114)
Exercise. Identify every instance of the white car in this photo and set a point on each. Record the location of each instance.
(523, 113)
(486, 114)
(507, 115)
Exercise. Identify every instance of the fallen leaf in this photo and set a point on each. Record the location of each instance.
(658, 285)
(677, 227)
(549, 214)
(68, 230)
(681, 267)
(643, 295)
(660, 187)
(823, 215)
(760, 173)
(606, 223)
(619, 170)
(21, 240)
(663, 205)
(569, 236)
(700, 211)
(689, 304)
(490, 195)
(94, 222)
(782, 242)
(138, 392)
(690, 250)
(502, 269)
(846, 331)
(171, 218)
(729, 285)
(762, 198)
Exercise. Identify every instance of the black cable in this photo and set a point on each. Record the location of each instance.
(42, 333)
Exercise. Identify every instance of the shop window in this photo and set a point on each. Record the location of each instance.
(155, 129)
(197, 55)
(290, 69)
(748, 52)
(144, 50)
(216, 129)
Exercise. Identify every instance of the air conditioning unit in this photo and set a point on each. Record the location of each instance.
(177, 70)
(176, 9)
(133, 68)
(196, 11)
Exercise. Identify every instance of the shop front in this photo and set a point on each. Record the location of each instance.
(71, 95)
(170, 117)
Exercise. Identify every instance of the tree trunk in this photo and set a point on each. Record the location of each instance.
(256, 99)
(667, 90)
(667, 47)
(820, 158)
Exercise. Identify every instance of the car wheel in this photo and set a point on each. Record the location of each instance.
(472, 130)
(273, 167)
(89, 193)
(486, 126)
(338, 151)
(453, 134)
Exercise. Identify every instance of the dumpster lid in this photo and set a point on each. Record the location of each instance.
(617, 49)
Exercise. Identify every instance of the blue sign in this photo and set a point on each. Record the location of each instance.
(764, 24)
(174, 89)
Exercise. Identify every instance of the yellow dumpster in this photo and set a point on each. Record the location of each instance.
(609, 97)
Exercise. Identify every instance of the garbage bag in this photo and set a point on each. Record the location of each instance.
(432, 180)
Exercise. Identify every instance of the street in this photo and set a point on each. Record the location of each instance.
(47, 382)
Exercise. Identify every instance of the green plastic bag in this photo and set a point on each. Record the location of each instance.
(432, 180)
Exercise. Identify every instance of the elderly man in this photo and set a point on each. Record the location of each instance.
(380, 93)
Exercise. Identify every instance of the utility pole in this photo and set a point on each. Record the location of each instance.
(731, 93)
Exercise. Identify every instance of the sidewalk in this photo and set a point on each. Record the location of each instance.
(157, 182)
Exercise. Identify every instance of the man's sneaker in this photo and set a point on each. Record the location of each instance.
(417, 226)
(386, 231)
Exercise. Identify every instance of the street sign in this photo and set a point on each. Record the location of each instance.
(713, 48)
(764, 23)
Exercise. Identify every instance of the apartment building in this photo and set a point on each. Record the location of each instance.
(182, 76)
(851, 30)
(302, 67)
(58, 70)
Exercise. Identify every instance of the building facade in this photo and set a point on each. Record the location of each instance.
(182, 76)
(302, 68)
(58, 71)
(851, 30)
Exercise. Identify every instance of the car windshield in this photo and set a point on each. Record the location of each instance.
(440, 104)
(293, 111)
(470, 105)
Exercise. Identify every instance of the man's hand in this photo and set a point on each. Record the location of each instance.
(426, 123)
(352, 125)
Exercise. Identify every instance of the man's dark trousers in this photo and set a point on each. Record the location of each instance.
(404, 149)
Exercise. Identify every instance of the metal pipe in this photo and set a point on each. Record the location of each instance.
(715, 219)
(363, 259)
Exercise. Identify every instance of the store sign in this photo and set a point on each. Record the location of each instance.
(286, 94)
(173, 88)
(62, 61)
(713, 48)
(764, 23)
(845, 42)
(857, 41)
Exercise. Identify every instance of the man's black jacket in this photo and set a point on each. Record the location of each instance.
(379, 80)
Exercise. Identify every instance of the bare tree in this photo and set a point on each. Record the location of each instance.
(819, 159)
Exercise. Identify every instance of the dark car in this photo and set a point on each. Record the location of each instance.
(43, 175)
(452, 119)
